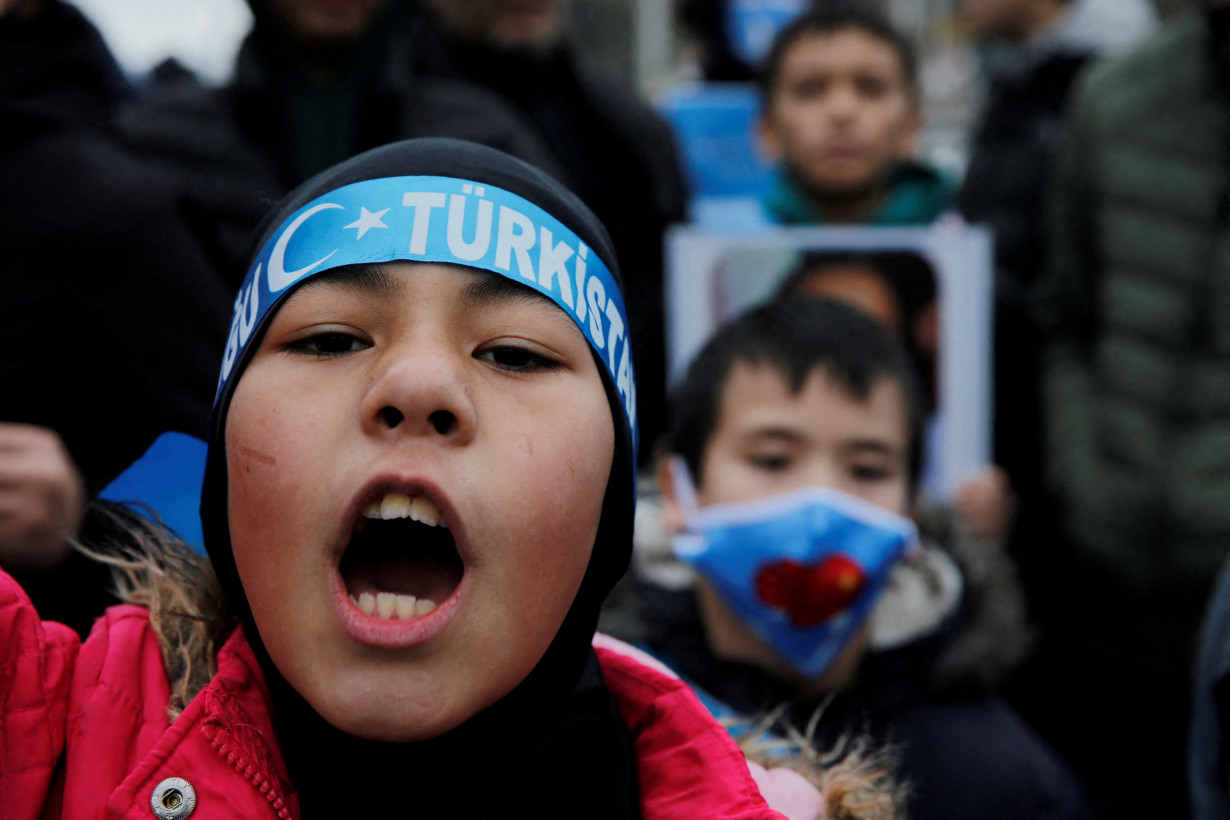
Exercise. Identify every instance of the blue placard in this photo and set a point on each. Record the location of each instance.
(167, 479)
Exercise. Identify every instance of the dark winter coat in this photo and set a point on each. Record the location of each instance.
(1012, 155)
(1013, 150)
(113, 325)
(1005, 188)
(1136, 394)
(1136, 314)
(1208, 736)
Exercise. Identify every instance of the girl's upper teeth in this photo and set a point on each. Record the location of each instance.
(399, 505)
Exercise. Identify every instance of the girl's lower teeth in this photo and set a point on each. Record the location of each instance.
(388, 605)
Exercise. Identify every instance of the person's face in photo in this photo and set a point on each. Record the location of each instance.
(859, 286)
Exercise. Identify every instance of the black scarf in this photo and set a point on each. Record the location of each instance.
(553, 747)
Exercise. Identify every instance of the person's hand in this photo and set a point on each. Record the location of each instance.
(41, 498)
(986, 503)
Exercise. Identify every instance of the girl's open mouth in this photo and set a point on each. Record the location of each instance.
(401, 562)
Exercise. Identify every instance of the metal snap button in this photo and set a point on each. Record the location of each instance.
(173, 799)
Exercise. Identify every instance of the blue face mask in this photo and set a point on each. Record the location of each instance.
(802, 569)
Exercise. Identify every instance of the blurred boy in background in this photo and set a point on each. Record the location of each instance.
(841, 115)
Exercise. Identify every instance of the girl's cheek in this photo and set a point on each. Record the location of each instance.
(248, 459)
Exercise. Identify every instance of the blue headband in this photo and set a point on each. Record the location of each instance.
(447, 220)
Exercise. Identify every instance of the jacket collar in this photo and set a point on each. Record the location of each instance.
(917, 195)
(224, 744)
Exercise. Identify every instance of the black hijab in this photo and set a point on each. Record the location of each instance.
(553, 747)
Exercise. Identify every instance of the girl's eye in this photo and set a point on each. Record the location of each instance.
(516, 358)
(331, 343)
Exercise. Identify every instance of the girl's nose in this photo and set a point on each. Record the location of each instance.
(420, 393)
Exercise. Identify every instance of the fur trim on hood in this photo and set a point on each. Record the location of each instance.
(154, 569)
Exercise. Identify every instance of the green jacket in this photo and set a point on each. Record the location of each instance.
(1136, 316)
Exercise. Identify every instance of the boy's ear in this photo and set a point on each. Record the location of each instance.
(766, 137)
(672, 510)
(911, 131)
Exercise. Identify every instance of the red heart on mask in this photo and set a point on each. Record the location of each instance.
(810, 594)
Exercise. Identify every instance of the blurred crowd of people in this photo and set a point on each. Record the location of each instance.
(1059, 645)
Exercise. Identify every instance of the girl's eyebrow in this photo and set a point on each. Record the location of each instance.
(483, 289)
(370, 279)
(488, 288)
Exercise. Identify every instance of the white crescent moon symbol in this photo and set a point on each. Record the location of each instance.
(278, 277)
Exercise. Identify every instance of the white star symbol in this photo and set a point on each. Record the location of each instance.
(368, 220)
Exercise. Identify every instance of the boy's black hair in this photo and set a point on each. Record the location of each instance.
(794, 334)
(828, 17)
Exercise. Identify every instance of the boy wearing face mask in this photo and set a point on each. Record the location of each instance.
(790, 489)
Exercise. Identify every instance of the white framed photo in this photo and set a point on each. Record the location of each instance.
(940, 281)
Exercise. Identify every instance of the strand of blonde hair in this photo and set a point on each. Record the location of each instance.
(153, 568)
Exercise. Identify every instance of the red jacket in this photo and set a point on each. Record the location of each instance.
(84, 729)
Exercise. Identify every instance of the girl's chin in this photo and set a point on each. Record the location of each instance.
(383, 723)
